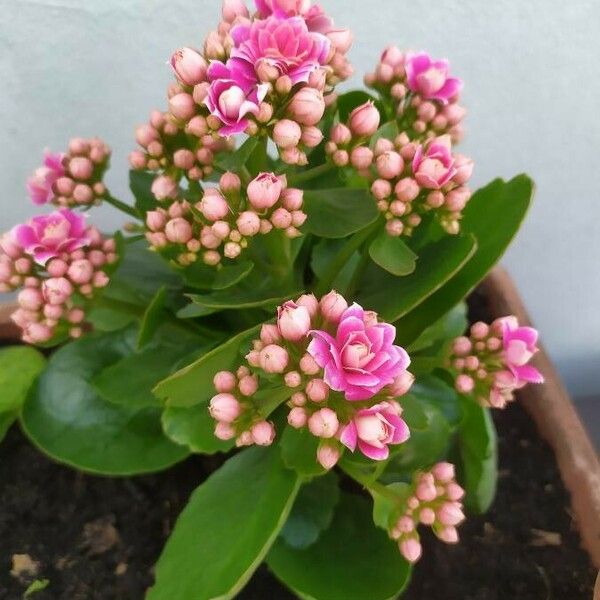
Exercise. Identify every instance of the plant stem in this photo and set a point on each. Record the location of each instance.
(129, 210)
(295, 179)
(351, 246)
(367, 482)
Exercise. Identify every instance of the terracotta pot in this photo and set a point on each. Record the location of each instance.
(549, 406)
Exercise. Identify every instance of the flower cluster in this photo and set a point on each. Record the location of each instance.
(434, 500)
(58, 263)
(221, 224)
(74, 178)
(424, 95)
(491, 363)
(343, 372)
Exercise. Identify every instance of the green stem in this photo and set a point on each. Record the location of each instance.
(129, 210)
(367, 482)
(296, 178)
(351, 246)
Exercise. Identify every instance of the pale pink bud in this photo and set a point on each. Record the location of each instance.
(464, 384)
(197, 125)
(232, 250)
(298, 399)
(287, 133)
(248, 223)
(293, 321)
(100, 279)
(324, 423)
(184, 159)
(274, 359)
(248, 385)
(189, 66)
(297, 417)
(480, 330)
(340, 134)
(381, 189)
(389, 165)
(57, 267)
(454, 491)
(224, 381)
(448, 535)
(30, 299)
(53, 312)
(81, 271)
(269, 334)
(461, 346)
(163, 187)
(264, 191)
(224, 407)
(340, 158)
(213, 206)
(317, 390)
(427, 516)
(182, 106)
(426, 491)
(333, 306)
(471, 363)
(443, 472)
(318, 79)
(401, 384)
(57, 290)
(365, 119)
(307, 106)
(310, 302)
(311, 136)
(328, 456)
(292, 379)
(281, 218)
(411, 550)
(361, 158)
(233, 9)
(178, 231)
(230, 183)
(83, 193)
(450, 514)
(81, 168)
(155, 220)
(263, 433)
(407, 189)
(224, 431)
(38, 333)
(457, 199)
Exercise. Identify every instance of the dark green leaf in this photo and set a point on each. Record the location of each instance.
(393, 297)
(6, 420)
(352, 560)
(322, 255)
(413, 413)
(478, 446)
(240, 299)
(493, 215)
(193, 311)
(193, 384)
(236, 160)
(203, 276)
(392, 254)
(67, 419)
(439, 394)
(312, 511)
(299, 451)
(153, 318)
(384, 507)
(36, 586)
(448, 327)
(226, 529)
(19, 368)
(140, 184)
(388, 130)
(339, 212)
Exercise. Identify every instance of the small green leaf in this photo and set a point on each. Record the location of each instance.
(388, 130)
(153, 318)
(339, 212)
(493, 215)
(6, 420)
(203, 276)
(351, 560)
(195, 428)
(312, 512)
(299, 451)
(384, 507)
(193, 384)
(36, 586)
(393, 255)
(478, 446)
(140, 184)
(236, 160)
(19, 368)
(240, 299)
(226, 529)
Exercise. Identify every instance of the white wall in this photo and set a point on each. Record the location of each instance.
(86, 67)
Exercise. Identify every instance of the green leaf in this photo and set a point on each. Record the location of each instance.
(19, 368)
(299, 451)
(393, 297)
(388, 130)
(193, 384)
(493, 215)
(226, 529)
(413, 413)
(323, 253)
(36, 586)
(193, 311)
(194, 427)
(236, 160)
(440, 395)
(392, 254)
(6, 420)
(140, 184)
(242, 298)
(203, 276)
(384, 506)
(339, 212)
(448, 327)
(478, 446)
(352, 560)
(312, 512)
(65, 417)
(153, 318)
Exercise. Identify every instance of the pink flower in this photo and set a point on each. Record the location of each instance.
(39, 185)
(232, 95)
(283, 44)
(430, 78)
(373, 429)
(519, 345)
(47, 236)
(362, 358)
(282, 8)
(433, 164)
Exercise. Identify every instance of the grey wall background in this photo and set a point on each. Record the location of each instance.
(97, 67)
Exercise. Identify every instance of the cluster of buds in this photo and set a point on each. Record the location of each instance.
(165, 147)
(349, 143)
(343, 373)
(424, 95)
(222, 223)
(413, 180)
(434, 500)
(73, 178)
(59, 264)
(491, 363)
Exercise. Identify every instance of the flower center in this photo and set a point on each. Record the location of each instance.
(432, 80)
(231, 101)
(55, 231)
(372, 429)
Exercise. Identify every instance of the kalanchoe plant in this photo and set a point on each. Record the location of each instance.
(304, 297)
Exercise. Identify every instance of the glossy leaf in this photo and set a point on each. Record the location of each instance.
(392, 254)
(203, 276)
(393, 297)
(322, 255)
(478, 446)
(153, 317)
(439, 394)
(194, 427)
(243, 298)
(493, 215)
(299, 451)
(19, 368)
(338, 213)
(384, 507)
(67, 419)
(352, 560)
(312, 512)
(193, 384)
(453, 324)
(226, 529)
(388, 131)
(140, 184)
(234, 161)
(6, 420)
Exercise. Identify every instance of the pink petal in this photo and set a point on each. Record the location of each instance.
(349, 436)
(373, 452)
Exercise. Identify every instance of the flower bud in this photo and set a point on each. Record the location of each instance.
(361, 158)
(401, 384)
(311, 136)
(324, 423)
(317, 390)
(292, 198)
(263, 433)
(411, 550)
(264, 191)
(293, 321)
(407, 189)
(81, 271)
(163, 188)
(182, 106)
(341, 39)
(443, 472)
(30, 299)
(273, 359)
(224, 431)
(225, 407)
(232, 9)
(287, 134)
(57, 290)
(269, 334)
(248, 223)
(281, 218)
(248, 385)
(450, 514)
(213, 206)
(178, 231)
(155, 220)
(464, 384)
(307, 106)
(230, 183)
(389, 165)
(328, 456)
(81, 168)
(333, 306)
(297, 417)
(224, 381)
(189, 66)
(365, 119)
